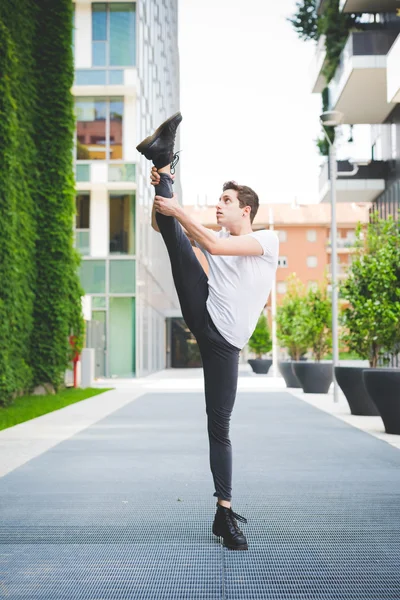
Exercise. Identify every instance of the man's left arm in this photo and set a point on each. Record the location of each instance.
(232, 246)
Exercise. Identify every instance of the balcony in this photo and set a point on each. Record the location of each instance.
(343, 245)
(369, 6)
(393, 72)
(362, 183)
(317, 79)
(342, 269)
(359, 87)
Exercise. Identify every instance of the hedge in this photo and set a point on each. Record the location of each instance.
(40, 293)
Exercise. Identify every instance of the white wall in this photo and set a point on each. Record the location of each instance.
(393, 72)
(83, 36)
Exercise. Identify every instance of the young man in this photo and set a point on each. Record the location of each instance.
(221, 311)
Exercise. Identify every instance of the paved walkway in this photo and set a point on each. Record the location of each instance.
(111, 498)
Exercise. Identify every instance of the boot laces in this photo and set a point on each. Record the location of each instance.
(238, 517)
(231, 520)
(174, 162)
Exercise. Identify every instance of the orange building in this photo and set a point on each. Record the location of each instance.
(304, 234)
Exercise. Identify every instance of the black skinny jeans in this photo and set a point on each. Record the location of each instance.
(220, 358)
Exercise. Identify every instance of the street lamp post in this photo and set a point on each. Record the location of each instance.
(332, 119)
(273, 311)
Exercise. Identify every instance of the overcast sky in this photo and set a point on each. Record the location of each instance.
(248, 111)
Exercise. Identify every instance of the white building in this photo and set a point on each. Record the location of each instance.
(126, 84)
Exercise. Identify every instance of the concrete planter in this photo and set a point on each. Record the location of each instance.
(315, 378)
(290, 378)
(383, 385)
(260, 366)
(351, 382)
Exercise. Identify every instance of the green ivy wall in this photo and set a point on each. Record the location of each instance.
(40, 292)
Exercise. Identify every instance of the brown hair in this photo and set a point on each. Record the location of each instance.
(246, 196)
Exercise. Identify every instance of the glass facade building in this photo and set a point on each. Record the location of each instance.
(126, 84)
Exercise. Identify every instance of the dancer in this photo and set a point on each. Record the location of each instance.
(222, 310)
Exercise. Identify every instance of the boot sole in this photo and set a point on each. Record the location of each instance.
(230, 547)
(146, 144)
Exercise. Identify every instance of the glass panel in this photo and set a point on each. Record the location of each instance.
(122, 277)
(91, 128)
(82, 242)
(99, 21)
(90, 77)
(82, 219)
(116, 77)
(125, 172)
(98, 302)
(116, 124)
(93, 276)
(122, 223)
(82, 173)
(122, 34)
(99, 54)
(122, 337)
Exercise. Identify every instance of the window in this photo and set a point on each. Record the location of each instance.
(282, 235)
(113, 34)
(82, 223)
(312, 261)
(93, 276)
(99, 128)
(82, 211)
(312, 285)
(311, 235)
(282, 261)
(281, 287)
(122, 223)
(122, 277)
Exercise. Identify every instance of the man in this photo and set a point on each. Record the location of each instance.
(221, 311)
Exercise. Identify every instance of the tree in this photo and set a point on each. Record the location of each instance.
(372, 320)
(260, 342)
(290, 332)
(305, 20)
(316, 319)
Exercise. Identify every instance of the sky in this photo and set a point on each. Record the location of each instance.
(248, 111)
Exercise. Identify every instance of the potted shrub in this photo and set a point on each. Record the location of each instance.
(261, 343)
(316, 321)
(290, 331)
(372, 319)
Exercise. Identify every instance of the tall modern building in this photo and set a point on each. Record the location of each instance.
(366, 89)
(126, 84)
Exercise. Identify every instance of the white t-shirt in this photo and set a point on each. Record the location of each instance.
(239, 287)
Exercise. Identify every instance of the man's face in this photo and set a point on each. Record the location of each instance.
(228, 210)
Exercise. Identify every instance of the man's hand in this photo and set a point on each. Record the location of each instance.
(167, 206)
(155, 176)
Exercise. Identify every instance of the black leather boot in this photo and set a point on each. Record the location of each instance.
(159, 147)
(225, 526)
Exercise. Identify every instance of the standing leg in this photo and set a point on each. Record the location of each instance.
(220, 364)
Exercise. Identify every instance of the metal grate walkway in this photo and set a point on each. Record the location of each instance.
(123, 510)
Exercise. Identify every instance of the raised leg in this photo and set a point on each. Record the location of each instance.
(191, 282)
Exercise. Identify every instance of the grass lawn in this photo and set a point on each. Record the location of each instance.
(28, 407)
(344, 356)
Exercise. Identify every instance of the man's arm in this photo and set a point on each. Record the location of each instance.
(232, 246)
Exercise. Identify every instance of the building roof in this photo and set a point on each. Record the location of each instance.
(289, 215)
